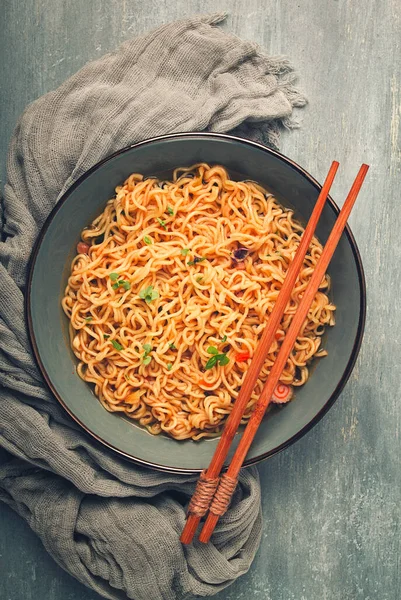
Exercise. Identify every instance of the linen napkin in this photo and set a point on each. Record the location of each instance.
(111, 524)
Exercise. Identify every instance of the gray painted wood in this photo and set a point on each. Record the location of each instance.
(332, 501)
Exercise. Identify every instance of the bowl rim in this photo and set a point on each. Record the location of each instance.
(362, 304)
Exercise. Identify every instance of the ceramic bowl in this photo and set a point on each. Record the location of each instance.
(55, 249)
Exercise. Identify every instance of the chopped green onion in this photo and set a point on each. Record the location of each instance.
(169, 366)
(184, 251)
(126, 376)
(224, 338)
(114, 276)
(199, 279)
(147, 348)
(116, 345)
(147, 240)
(146, 360)
(170, 210)
(88, 318)
(115, 286)
(106, 336)
(148, 294)
(171, 346)
(161, 222)
(212, 350)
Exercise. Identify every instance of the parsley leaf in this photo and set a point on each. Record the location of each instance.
(147, 350)
(121, 283)
(221, 359)
(184, 251)
(212, 350)
(211, 362)
(116, 345)
(147, 240)
(148, 294)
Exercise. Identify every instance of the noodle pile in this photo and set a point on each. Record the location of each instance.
(177, 275)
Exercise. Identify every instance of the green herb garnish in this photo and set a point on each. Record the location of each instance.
(88, 318)
(121, 283)
(199, 279)
(196, 260)
(224, 338)
(148, 294)
(147, 240)
(126, 376)
(184, 251)
(116, 345)
(161, 222)
(169, 366)
(170, 210)
(146, 358)
(221, 359)
(106, 336)
(114, 276)
(171, 346)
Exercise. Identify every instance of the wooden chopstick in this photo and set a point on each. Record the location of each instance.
(260, 408)
(259, 357)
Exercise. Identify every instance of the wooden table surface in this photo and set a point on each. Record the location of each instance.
(332, 501)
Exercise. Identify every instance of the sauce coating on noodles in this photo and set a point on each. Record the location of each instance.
(171, 290)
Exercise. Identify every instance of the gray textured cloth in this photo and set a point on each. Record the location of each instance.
(113, 525)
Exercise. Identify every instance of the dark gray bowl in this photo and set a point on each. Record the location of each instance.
(55, 249)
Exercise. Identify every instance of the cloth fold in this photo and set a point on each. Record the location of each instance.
(113, 525)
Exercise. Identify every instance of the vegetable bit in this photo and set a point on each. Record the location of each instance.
(196, 260)
(121, 283)
(170, 210)
(116, 345)
(147, 350)
(147, 240)
(171, 346)
(148, 294)
(220, 358)
(184, 251)
(161, 223)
